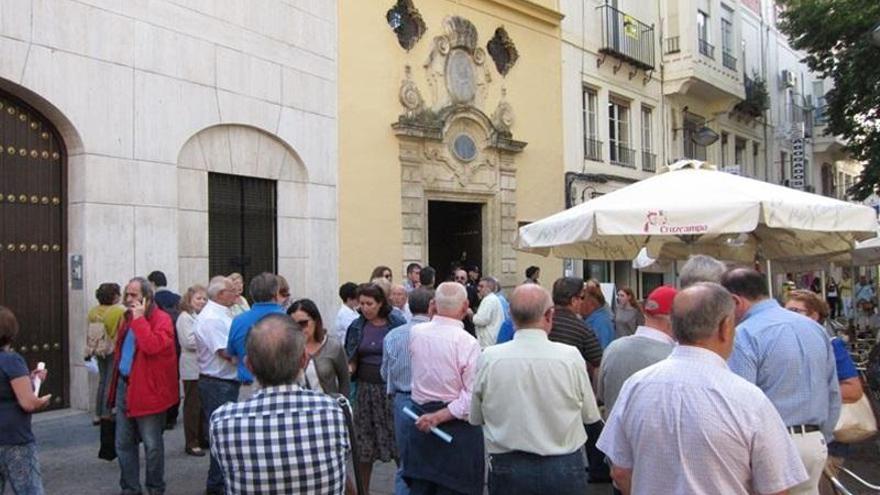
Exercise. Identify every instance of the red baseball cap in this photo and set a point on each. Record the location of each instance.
(659, 301)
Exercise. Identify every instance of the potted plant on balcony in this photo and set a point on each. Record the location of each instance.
(757, 98)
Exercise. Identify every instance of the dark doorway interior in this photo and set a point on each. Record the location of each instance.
(455, 236)
(241, 225)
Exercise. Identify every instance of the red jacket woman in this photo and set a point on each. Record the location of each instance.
(152, 384)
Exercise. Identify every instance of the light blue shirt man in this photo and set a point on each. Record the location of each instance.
(790, 358)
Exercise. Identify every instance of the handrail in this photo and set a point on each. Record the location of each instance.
(627, 37)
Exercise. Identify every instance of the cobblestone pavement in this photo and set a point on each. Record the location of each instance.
(68, 446)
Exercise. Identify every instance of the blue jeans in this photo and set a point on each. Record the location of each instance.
(213, 393)
(521, 473)
(400, 429)
(20, 469)
(129, 431)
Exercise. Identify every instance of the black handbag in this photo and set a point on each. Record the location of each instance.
(108, 440)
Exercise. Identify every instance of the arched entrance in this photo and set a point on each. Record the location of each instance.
(33, 235)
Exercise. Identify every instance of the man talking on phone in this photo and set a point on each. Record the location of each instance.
(144, 386)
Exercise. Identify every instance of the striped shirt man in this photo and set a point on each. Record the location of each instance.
(569, 328)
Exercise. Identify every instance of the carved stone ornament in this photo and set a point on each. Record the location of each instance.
(410, 97)
(455, 68)
(407, 23)
(503, 51)
(503, 116)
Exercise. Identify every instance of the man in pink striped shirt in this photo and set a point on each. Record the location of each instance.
(444, 361)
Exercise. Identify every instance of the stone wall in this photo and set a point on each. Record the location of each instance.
(130, 82)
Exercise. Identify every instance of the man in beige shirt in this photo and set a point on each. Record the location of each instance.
(532, 397)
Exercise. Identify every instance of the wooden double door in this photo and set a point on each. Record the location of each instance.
(33, 239)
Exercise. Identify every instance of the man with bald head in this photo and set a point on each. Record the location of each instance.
(284, 439)
(689, 425)
(532, 397)
(444, 360)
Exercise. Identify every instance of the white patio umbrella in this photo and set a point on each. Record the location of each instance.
(693, 208)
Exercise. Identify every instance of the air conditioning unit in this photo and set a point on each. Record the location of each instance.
(788, 79)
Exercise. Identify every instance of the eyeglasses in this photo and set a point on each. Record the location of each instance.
(303, 323)
(798, 310)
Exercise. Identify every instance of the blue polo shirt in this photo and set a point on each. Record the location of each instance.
(602, 323)
(241, 328)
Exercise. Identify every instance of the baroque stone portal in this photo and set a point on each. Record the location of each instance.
(451, 150)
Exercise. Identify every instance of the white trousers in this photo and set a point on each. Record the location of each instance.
(811, 446)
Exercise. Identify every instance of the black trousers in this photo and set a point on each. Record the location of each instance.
(597, 470)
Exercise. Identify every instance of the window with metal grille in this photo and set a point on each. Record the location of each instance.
(241, 225)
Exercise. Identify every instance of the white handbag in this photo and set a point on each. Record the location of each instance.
(856, 423)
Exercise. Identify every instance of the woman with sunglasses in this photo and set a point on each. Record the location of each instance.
(327, 368)
(812, 306)
(382, 271)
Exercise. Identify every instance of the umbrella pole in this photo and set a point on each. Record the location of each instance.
(769, 279)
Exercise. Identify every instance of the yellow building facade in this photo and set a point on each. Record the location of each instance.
(450, 133)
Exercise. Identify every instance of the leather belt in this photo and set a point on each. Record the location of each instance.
(802, 429)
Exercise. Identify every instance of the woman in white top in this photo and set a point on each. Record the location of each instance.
(192, 302)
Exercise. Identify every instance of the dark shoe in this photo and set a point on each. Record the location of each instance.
(196, 451)
(215, 491)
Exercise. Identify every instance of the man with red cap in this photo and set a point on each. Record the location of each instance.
(652, 342)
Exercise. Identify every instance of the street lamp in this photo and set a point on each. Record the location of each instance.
(702, 136)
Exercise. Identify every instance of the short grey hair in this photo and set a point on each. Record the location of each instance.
(264, 287)
(274, 349)
(496, 282)
(383, 284)
(492, 283)
(420, 300)
(449, 297)
(701, 268)
(217, 285)
(698, 311)
(528, 303)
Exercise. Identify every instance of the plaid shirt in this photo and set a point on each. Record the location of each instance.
(283, 440)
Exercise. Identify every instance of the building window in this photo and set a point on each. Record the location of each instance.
(592, 145)
(783, 165)
(724, 149)
(241, 225)
(739, 154)
(756, 162)
(703, 34)
(618, 133)
(727, 38)
(649, 159)
(691, 149)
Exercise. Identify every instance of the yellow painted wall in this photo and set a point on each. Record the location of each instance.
(371, 66)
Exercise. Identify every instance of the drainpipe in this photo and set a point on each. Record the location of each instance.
(767, 157)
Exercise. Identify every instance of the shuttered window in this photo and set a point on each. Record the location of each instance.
(241, 225)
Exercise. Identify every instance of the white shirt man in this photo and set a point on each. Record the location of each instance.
(533, 397)
(689, 425)
(212, 334)
(490, 315)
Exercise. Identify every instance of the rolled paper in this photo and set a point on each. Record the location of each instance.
(37, 382)
(446, 437)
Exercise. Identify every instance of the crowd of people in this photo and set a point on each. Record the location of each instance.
(713, 387)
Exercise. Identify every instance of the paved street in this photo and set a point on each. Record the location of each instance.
(68, 445)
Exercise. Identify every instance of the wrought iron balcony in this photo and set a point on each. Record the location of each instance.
(673, 44)
(622, 156)
(728, 60)
(707, 49)
(592, 149)
(627, 38)
(649, 161)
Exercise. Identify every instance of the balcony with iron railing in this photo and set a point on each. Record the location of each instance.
(627, 38)
(728, 60)
(649, 161)
(706, 48)
(622, 156)
(592, 149)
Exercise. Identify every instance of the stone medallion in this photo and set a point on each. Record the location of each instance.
(460, 77)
